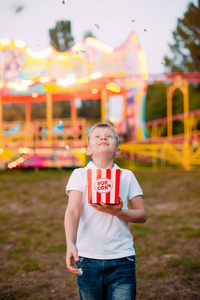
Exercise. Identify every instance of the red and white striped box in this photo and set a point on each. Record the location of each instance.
(103, 185)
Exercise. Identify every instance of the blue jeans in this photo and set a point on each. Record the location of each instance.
(112, 279)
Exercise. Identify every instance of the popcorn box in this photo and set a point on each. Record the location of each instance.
(103, 185)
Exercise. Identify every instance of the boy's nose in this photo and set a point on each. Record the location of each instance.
(103, 138)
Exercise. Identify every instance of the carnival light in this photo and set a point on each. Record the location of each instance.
(134, 39)
(60, 56)
(143, 64)
(41, 54)
(82, 150)
(83, 79)
(1, 84)
(94, 91)
(98, 44)
(43, 151)
(96, 75)
(20, 160)
(17, 86)
(113, 87)
(5, 42)
(26, 82)
(19, 43)
(12, 85)
(45, 79)
(69, 80)
(22, 86)
(29, 51)
(25, 150)
(77, 47)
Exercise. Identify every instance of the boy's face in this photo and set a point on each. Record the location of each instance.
(102, 141)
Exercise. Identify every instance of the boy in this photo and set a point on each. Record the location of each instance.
(99, 243)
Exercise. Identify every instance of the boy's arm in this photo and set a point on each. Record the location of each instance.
(71, 222)
(137, 213)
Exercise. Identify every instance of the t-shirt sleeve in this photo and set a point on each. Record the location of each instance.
(134, 188)
(75, 182)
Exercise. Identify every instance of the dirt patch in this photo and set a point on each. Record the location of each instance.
(32, 241)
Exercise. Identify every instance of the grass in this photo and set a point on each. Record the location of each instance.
(32, 241)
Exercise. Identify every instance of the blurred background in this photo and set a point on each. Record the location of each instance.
(65, 65)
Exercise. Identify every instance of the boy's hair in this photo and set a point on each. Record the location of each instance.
(103, 125)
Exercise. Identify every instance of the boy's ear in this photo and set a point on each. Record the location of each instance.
(118, 151)
(88, 151)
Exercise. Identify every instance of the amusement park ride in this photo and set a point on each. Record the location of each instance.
(91, 70)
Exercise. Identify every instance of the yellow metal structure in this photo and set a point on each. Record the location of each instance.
(156, 130)
(161, 156)
(182, 151)
(183, 86)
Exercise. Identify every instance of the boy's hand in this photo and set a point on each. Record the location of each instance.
(71, 258)
(114, 209)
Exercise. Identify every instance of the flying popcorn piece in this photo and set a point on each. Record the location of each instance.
(17, 7)
(133, 20)
(97, 26)
(145, 30)
(63, 1)
(79, 52)
(81, 271)
(163, 62)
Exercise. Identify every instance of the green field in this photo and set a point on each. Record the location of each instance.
(32, 241)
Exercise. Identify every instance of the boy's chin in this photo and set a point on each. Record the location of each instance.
(104, 149)
(106, 152)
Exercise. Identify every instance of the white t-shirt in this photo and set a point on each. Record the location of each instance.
(101, 235)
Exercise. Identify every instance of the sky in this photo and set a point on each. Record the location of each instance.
(114, 18)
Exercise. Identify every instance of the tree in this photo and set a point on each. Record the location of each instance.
(156, 101)
(60, 36)
(186, 47)
(88, 33)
